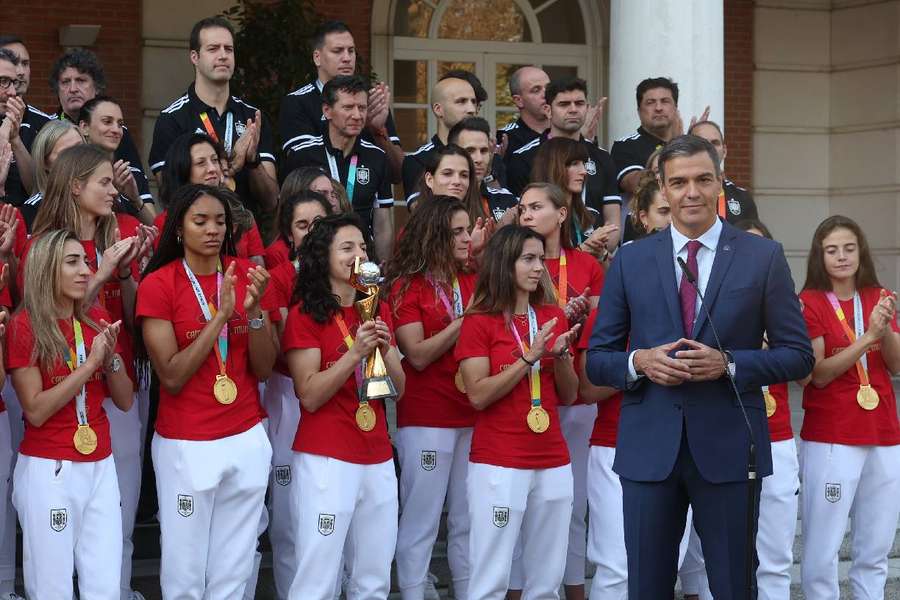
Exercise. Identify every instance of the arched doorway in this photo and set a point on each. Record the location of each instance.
(416, 41)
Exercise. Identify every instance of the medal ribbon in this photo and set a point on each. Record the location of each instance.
(563, 289)
(209, 311)
(535, 375)
(211, 131)
(351, 173)
(75, 360)
(862, 365)
(348, 341)
(721, 204)
(456, 310)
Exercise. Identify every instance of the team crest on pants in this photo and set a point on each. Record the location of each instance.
(429, 460)
(58, 519)
(283, 474)
(501, 516)
(185, 505)
(832, 492)
(326, 524)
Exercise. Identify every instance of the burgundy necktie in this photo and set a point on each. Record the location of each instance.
(686, 291)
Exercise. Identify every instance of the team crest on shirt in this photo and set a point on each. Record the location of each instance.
(283, 474)
(58, 519)
(429, 460)
(832, 492)
(185, 505)
(498, 213)
(199, 130)
(326, 524)
(734, 207)
(362, 175)
(240, 128)
(501, 516)
(591, 167)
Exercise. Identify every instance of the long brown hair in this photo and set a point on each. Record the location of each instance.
(642, 199)
(472, 201)
(817, 276)
(495, 291)
(559, 199)
(425, 247)
(43, 146)
(551, 165)
(42, 274)
(59, 210)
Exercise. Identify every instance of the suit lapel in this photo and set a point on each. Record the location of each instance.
(725, 251)
(666, 265)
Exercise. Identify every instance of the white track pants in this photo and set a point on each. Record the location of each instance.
(433, 466)
(837, 482)
(211, 496)
(337, 502)
(71, 520)
(505, 503)
(778, 523)
(606, 539)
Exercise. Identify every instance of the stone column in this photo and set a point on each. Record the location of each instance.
(681, 39)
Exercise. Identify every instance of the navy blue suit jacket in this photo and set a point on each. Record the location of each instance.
(750, 291)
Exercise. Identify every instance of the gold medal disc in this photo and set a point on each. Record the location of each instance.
(538, 419)
(770, 404)
(224, 389)
(365, 417)
(85, 439)
(867, 397)
(460, 384)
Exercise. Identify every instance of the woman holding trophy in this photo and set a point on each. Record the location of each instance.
(344, 365)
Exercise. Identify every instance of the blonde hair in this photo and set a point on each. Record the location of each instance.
(43, 145)
(42, 274)
(58, 209)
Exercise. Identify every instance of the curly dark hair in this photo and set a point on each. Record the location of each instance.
(425, 246)
(82, 60)
(286, 214)
(312, 290)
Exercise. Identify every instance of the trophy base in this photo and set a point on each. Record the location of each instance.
(379, 388)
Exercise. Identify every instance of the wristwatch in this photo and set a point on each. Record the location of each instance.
(115, 365)
(257, 323)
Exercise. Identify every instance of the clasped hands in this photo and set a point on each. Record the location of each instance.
(693, 361)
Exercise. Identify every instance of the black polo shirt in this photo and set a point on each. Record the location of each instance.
(498, 199)
(518, 134)
(301, 115)
(372, 183)
(183, 116)
(32, 122)
(601, 186)
(739, 204)
(631, 152)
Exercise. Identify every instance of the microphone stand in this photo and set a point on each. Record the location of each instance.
(752, 479)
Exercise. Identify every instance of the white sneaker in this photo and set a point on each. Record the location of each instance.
(11, 596)
(431, 592)
(134, 596)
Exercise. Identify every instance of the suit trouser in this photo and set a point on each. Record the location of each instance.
(71, 520)
(691, 564)
(283, 409)
(655, 514)
(337, 501)
(125, 433)
(778, 523)
(211, 495)
(506, 503)
(433, 466)
(837, 482)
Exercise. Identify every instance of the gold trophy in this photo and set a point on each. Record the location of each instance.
(377, 385)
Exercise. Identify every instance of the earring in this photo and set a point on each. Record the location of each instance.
(178, 237)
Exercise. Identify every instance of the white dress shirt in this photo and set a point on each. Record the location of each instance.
(706, 254)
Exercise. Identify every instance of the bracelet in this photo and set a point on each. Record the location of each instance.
(527, 362)
(127, 276)
(564, 354)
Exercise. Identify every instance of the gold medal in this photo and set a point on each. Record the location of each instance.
(538, 419)
(770, 404)
(460, 384)
(85, 439)
(365, 417)
(867, 397)
(224, 389)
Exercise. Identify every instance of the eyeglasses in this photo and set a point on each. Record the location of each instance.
(5, 82)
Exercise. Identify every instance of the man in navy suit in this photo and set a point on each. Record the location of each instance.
(683, 439)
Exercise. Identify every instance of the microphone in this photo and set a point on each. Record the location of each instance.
(751, 460)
